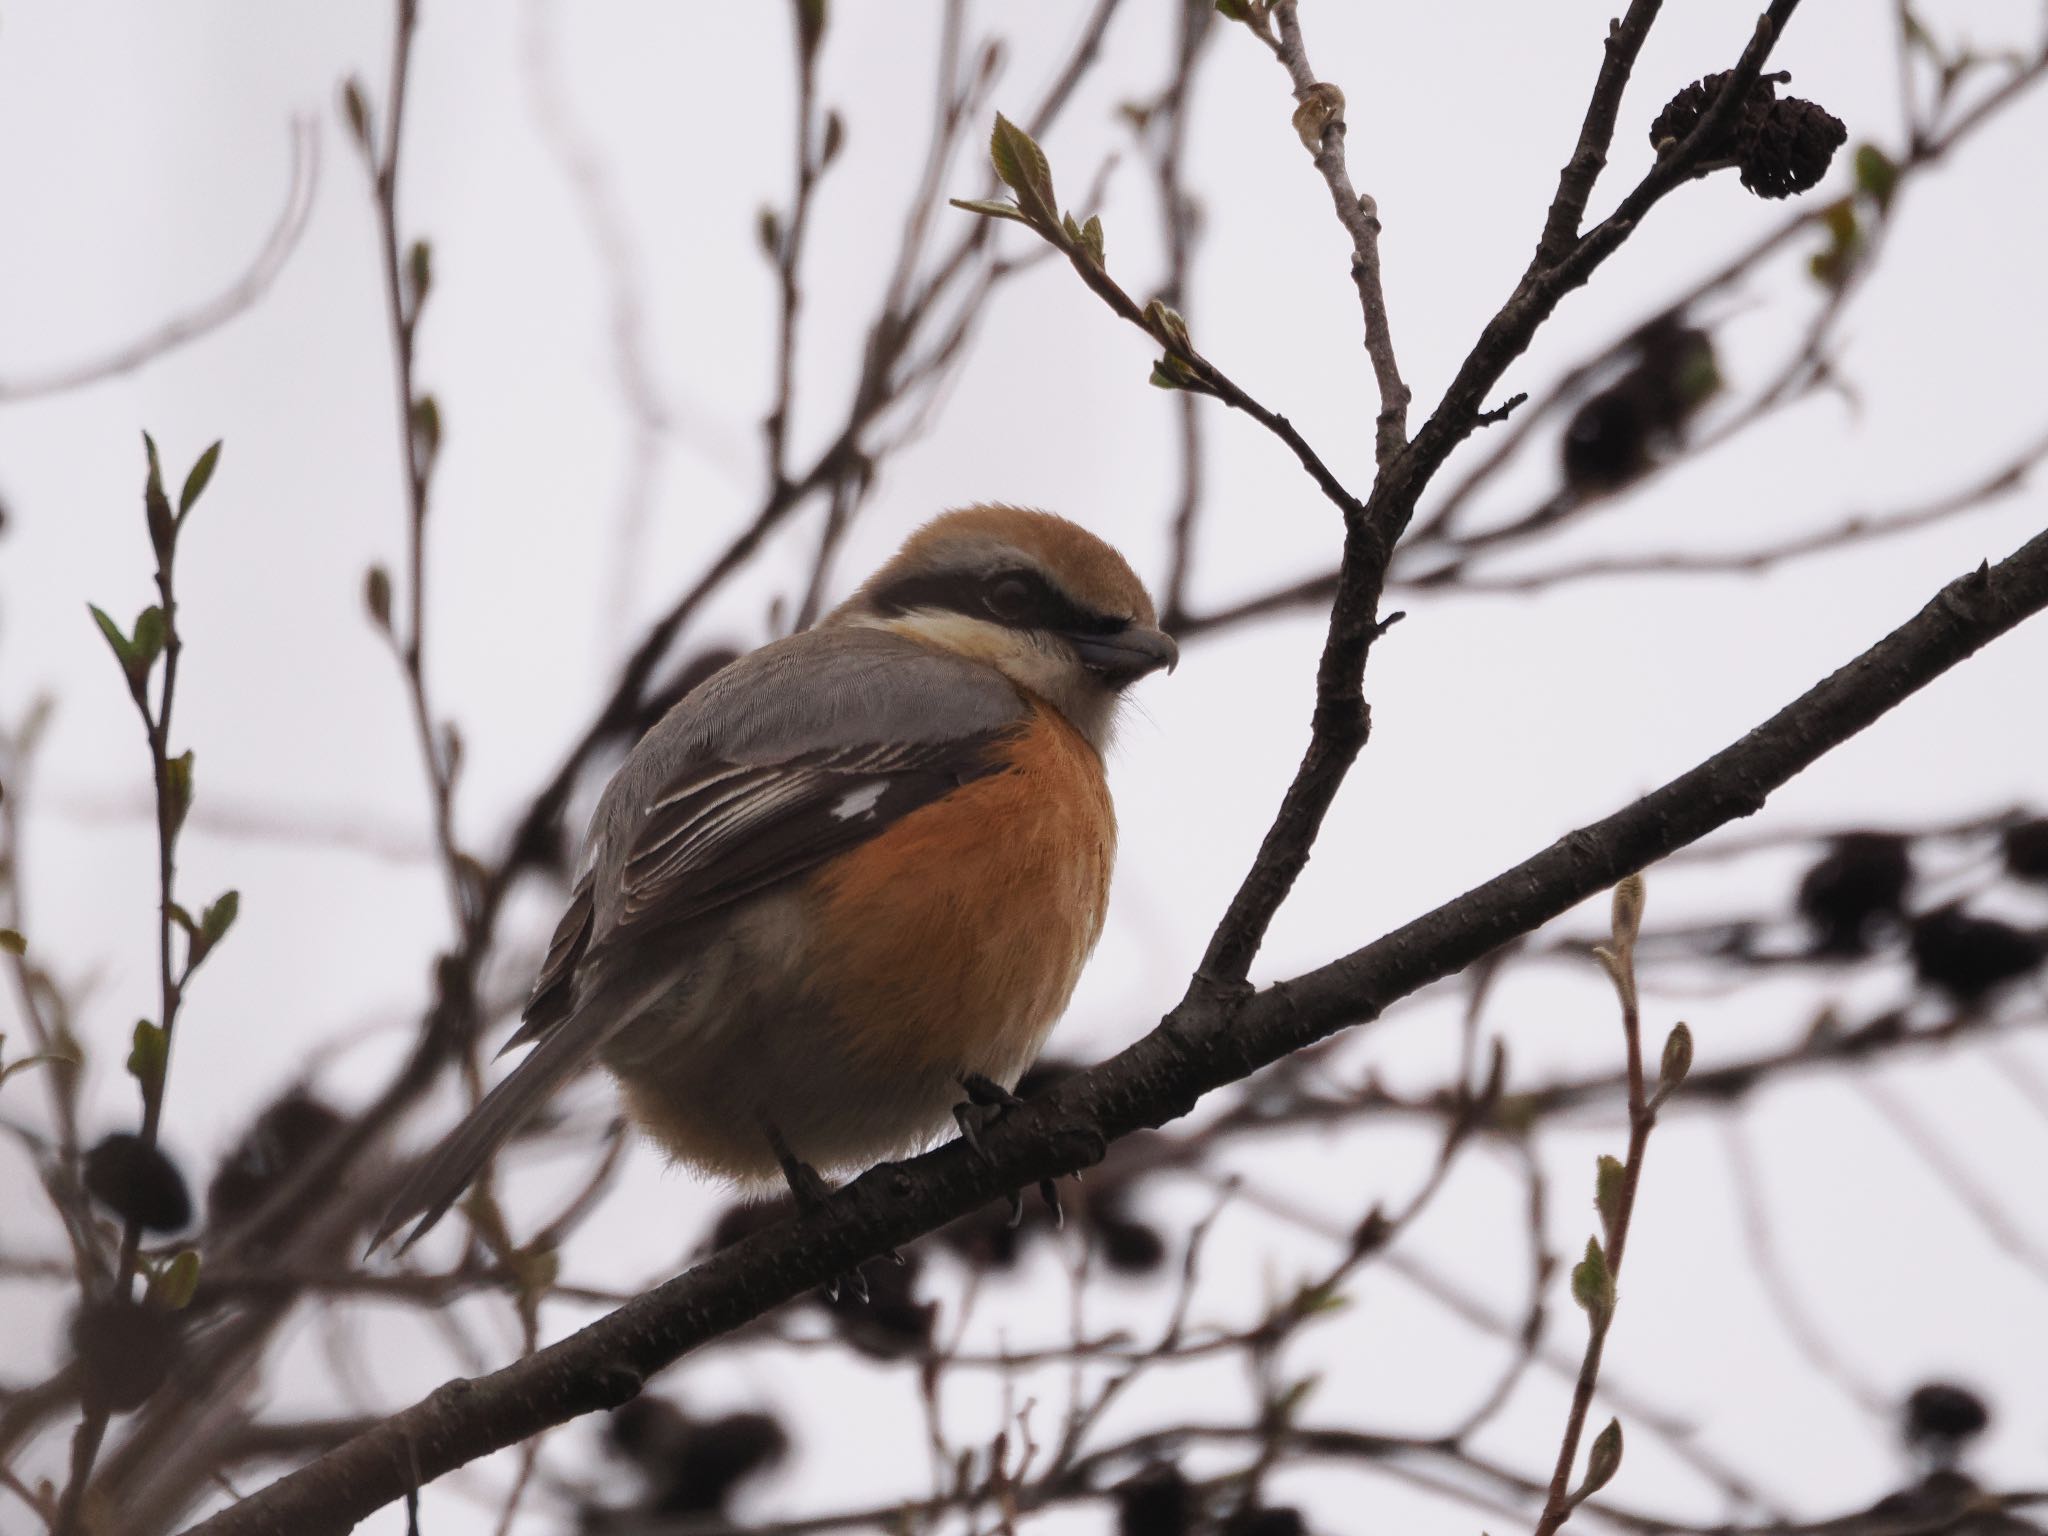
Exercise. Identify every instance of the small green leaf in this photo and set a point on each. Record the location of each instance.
(1833, 265)
(178, 789)
(215, 921)
(377, 596)
(1314, 1300)
(124, 652)
(1297, 1394)
(174, 1284)
(1876, 174)
(1091, 238)
(768, 230)
(1699, 374)
(357, 112)
(1592, 1285)
(991, 207)
(1167, 327)
(1233, 10)
(12, 943)
(1677, 1060)
(834, 140)
(197, 481)
(1172, 373)
(150, 634)
(1627, 918)
(1603, 1461)
(148, 1054)
(426, 426)
(183, 918)
(156, 506)
(1022, 167)
(1607, 1190)
(419, 271)
(534, 1270)
(810, 25)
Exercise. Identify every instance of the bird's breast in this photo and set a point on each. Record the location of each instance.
(953, 940)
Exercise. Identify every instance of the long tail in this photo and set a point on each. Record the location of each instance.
(444, 1173)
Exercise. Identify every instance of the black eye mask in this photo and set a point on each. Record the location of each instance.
(1017, 598)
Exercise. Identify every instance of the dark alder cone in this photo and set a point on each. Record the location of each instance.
(646, 1430)
(1940, 1417)
(1782, 147)
(692, 1467)
(284, 1136)
(138, 1183)
(1615, 435)
(1791, 148)
(125, 1351)
(1607, 442)
(2025, 848)
(1969, 957)
(715, 1457)
(1155, 1501)
(1281, 1521)
(1682, 113)
(1862, 879)
(1128, 1246)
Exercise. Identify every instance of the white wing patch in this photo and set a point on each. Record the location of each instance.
(861, 801)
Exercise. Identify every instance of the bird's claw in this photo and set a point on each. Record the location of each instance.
(807, 1187)
(987, 1101)
(985, 1104)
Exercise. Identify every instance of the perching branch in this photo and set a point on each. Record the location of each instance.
(1206, 1042)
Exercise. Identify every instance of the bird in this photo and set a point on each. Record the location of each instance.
(850, 877)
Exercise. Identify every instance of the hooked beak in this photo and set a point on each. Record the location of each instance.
(1124, 657)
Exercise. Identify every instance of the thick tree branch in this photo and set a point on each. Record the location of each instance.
(1205, 1043)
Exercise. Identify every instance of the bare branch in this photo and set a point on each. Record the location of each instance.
(239, 296)
(1322, 109)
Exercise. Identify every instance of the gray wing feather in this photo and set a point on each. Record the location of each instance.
(793, 705)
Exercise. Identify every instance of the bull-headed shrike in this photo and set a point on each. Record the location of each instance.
(850, 873)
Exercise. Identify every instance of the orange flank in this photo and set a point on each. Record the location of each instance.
(1028, 908)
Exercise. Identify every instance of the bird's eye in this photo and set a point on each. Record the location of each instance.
(1008, 599)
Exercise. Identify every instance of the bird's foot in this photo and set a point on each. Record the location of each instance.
(986, 1103)
(807, 1187)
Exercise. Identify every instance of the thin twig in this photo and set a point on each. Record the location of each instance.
(237, 298)
(1361, 220)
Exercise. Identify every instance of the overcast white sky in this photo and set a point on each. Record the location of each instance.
(145, 152)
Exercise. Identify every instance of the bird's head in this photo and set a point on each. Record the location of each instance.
(1040, 599)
